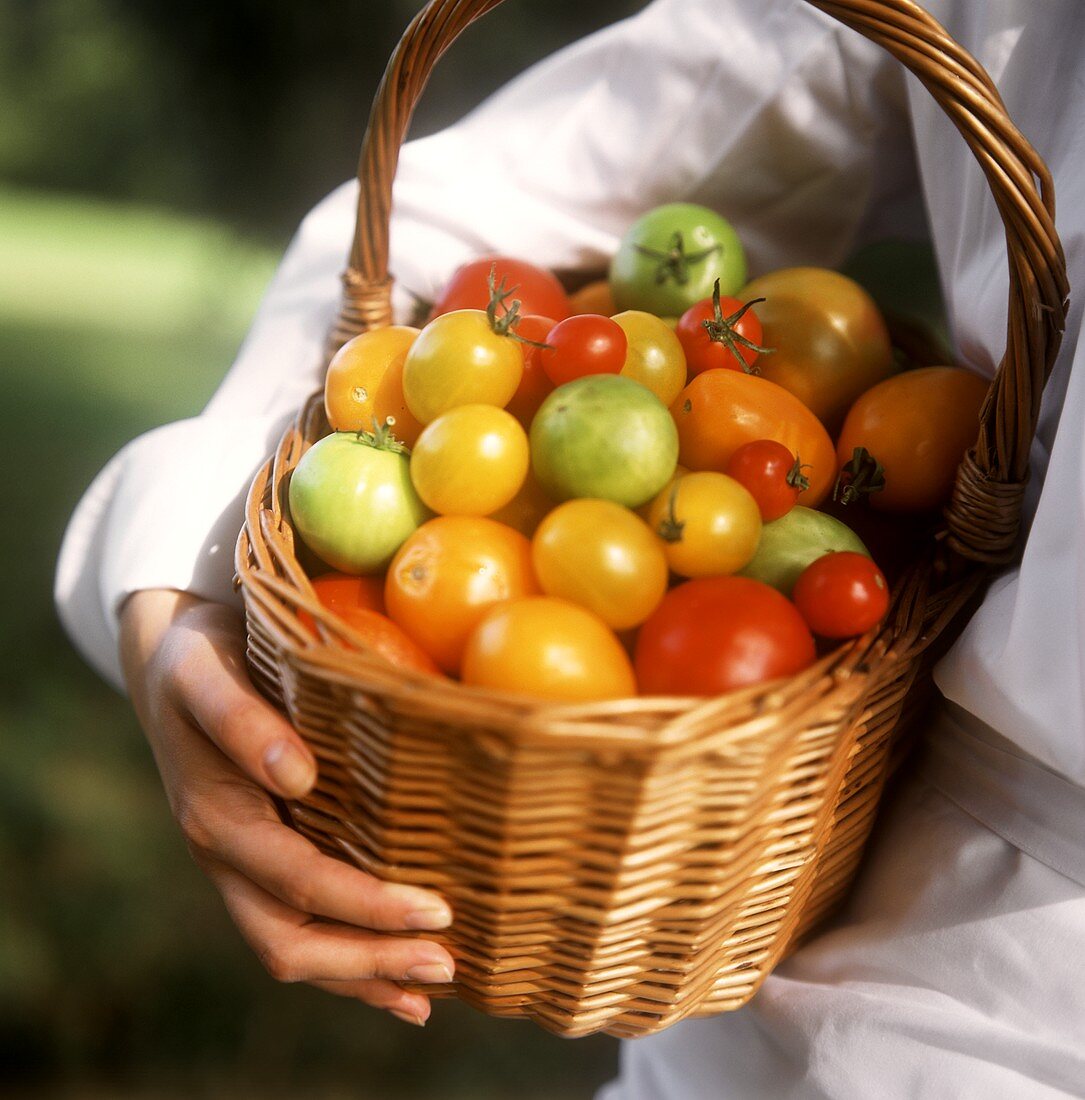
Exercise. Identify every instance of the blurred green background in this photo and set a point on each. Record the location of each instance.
(154, 160)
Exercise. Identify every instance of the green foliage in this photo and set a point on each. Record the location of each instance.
(120, 973)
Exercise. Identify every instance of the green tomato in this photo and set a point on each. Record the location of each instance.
(789, 544)
(671, 257)
(352, 501)
(603, 436)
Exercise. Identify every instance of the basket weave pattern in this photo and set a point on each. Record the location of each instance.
(619, 866)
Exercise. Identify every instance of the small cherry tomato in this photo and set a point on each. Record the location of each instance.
(470, 461)
(654, 357)
(601, 556)
(535, 288)
(364, 383)
(534, 384)
(720, 332)
(708, 523)
(771, 473)
(716, 634)
(583, 345)
(841, 595)
(549, 648)
(448, 574)
(344, 594)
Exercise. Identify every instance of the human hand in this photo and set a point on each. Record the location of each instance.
(220, 748)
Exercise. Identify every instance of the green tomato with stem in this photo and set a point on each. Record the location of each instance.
(671, 257)
(352, 502)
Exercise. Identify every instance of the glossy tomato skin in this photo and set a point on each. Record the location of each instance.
(716, 634)
(641, 276)
(534, 385)
(364, 383)
(353, 503)
(527, 509)
(595, 297)
(842, 595)
(603, 557)
(344, 594)
(458, 359)
(720, 410)
(380, 635)
(538, 291)
(654, 357)
(582, 345)
(703, 353)
(708, 524)
(470, 461)
(769, 471)
(918, 425)
(548, 648)
(449, 574)
(829, 340)
(603, 436)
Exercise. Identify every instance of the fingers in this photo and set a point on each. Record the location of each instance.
(211, 684)
(295, 948)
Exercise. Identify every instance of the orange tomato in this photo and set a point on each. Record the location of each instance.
(449, 574)
(527, 509)
(594, 298)
(365, 383)
(918, 425)
(829, 340)
(720, 410)
(534, 386)
(550, 648)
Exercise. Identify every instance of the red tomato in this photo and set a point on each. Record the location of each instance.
(771, 473)
(841, 595)
(585, 344)
(534, 384)
(720, 332)
(715, 634)
(536, 289)
(344, 595)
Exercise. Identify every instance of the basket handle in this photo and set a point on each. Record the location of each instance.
(983, 517)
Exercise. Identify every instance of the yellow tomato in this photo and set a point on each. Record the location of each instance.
(829, 340)
(654, 356)
(365, 383)
(470, 461)
(708, 523)
(458, 359)
(448, 574)
(548, 648)
(601, 556)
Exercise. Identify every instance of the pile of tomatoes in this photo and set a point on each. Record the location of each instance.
(627, 489)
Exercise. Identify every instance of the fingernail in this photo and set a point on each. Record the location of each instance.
(292, 772)
(429, 919)
(408, 1017)
(429, 974)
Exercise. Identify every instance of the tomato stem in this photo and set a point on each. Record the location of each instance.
(722, 330)
(671, 527)
(860, 477)
(506, 325)
(795, 476)
(675, 261)
(381, 438)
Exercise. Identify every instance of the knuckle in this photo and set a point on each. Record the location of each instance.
(239, 722)
(192, 819)
(299, 894)
(279, 960)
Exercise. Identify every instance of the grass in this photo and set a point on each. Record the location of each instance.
(120, 973)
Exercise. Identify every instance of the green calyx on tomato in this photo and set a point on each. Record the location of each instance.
(724, 330)
(506, 324)
(670, 257)
(382, 438)
(671, 527)
(860, 477)
(796, 478)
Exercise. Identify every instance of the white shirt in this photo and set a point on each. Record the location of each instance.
(957, 968)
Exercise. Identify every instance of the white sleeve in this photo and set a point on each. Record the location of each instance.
(690, 99)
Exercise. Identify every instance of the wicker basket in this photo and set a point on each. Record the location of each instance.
(620, 866)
